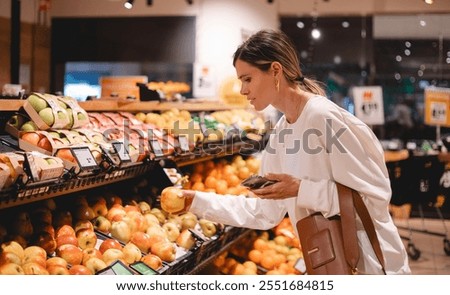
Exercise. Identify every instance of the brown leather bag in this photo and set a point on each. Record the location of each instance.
(330, 245)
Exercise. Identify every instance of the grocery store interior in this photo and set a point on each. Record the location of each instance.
(106, 103)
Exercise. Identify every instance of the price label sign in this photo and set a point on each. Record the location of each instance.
(156, 147)
(142, 268)
(184, 143)
(437, 106)
(121, 151)
(84, 158)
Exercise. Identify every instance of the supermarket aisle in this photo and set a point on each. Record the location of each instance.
(432, 260)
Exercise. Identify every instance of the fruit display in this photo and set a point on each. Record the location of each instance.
(274, 252)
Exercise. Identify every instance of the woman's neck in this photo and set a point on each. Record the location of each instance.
(293, 104)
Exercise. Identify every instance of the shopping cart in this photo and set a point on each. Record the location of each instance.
(417, 180)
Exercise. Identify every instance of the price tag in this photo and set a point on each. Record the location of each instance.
(121, 151)
(84, 158)
(300, 265)
(142, 268)
(117, 268)
(156, 147)
(184, 143)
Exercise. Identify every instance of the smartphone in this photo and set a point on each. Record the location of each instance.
(257, 181)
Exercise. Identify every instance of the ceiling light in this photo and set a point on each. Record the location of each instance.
(428, 1)
(315, 33)
(128, 4)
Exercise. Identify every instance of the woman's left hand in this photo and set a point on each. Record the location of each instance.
(286, 186)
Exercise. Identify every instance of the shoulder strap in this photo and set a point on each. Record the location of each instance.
(350, 199)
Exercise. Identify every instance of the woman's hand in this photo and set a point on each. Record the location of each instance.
(286, 186)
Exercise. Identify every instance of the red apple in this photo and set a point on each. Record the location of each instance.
(45, 228)
(71, 253)
(57, 270)
(46, 241)
(142, 241)
(66, 239)
(186, 239)
(65, 230)
(172, 200)
(83, 212)
(115, 212)
(131, 253)
(109, 243)
(79, 269)
(56, 261)
(152, 260)
(86, 238)
(9, 257)
(100, 208)
(83, 224)
(33, 268)
(164, 250)
(89, 253)
(136, 221)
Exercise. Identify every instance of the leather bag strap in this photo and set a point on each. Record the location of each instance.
(349, 199)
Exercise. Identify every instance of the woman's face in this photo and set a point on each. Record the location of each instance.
(258, 86)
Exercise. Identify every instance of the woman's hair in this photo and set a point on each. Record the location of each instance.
(267, 46)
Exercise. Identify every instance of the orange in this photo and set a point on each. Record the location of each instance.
(210, 182)
(260, 244)
(268, 262)
(255, 256)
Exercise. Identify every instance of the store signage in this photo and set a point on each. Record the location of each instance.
(84, 158)
(437, 104)
(369, 104)
(121, 86)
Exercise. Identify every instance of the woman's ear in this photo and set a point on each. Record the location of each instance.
(277, 68)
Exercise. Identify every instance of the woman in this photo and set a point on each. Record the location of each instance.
(314, 145)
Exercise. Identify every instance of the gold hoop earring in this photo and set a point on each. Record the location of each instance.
(277, 85)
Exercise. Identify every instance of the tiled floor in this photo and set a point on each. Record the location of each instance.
(433, 259)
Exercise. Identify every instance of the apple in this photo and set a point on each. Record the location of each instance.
(109, 243)
(14, 247)
(112, 199)
(101, 223)
(156, 230)
(11, 269)
(29, 127)
(131, 252)
(83, 224)
(137, 221)
(159, 214)
(89, 253)
(9, 257)
(172, 199)
(47, 116)
(141, 240)
(164, 250)
(42, 261)
(66, 239)
(188, 220)
(42, 215)
(65, 230)
(151, 219)
(113, 212)
(144, 207)
(95, 264)
(50, 204)
(83, 212)
(121, 231)
(56, 261)
(186, 239)
(57, 270)
(172, 231)
(45, 144)
(86, 238)
(19, 239)
(111, 255)
(100, 208)
(61, 218)
(37, 103)
(48, 228)
(33, 268)
(131, 208)
(209, 229)
(152, 260)
(176, 219)
(46, 241)
(35, 254)
(71, 253)
(79, 269)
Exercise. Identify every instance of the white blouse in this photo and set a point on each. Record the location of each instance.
(325, 145)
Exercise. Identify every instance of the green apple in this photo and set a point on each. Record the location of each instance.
(29, 126)
(51, 161)
(62, 104)
(14, 121)
(70, 116)
(47, 116)
(81, 117)
(37, 103)
(54, 134)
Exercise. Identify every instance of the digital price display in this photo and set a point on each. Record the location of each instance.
(117, 268)
(156, 147)
(84, 157)
(121, 151)
(184, 143)
(143, 269)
